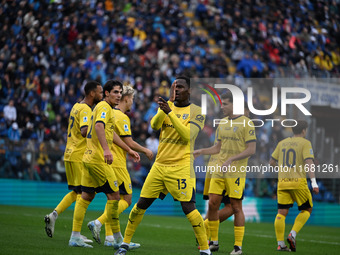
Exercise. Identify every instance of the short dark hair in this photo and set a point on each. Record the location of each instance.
(301, 125)
(186, 78)
(228, 95)
(91, 86)
(110, 84)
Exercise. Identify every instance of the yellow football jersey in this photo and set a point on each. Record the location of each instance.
(94, 152)
(123, 129)
(172, 149)
(76, 144)
(234, 135)
(291, 154)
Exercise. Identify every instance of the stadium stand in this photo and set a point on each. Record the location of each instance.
(50, 48)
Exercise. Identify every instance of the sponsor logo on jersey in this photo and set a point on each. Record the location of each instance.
(235, 129)
(85, 119)
(126, 128)
(103, 115)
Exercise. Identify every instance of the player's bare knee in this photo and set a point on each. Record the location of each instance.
(237, 210)
(128, 199)
(213, 205)
(144, 203)
(87, 196)
(309, 210)
(188, 207)
(113, 196)
(283, 212)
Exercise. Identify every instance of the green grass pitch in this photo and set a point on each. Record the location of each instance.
(22, 232)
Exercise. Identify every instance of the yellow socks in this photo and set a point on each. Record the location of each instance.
(214, 226)
(239, 234)
(112, 215)
(103, 218)
(300, 220)
(122, 206)
(135, 217)
(79, 214)
(207, 229)
(197, 223)
(280, 227)
(66, 202)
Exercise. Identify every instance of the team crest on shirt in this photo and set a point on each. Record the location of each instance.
(103, 115)
(311, 151)
(85, 119)
(126, 128)
(235, 129)
(130, 186)
(185, 116)
(178, 115)
(116, 183)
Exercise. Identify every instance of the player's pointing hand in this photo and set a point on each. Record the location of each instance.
(163, 105)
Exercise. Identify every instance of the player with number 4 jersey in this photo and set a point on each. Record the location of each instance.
(236, 142)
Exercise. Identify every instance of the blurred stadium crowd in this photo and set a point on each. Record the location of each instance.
(50, 48)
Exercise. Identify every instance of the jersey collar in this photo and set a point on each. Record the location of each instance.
(236, 117)
(183, 105)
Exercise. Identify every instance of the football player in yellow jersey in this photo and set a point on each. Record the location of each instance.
(227, 210)
(294, 154)
(180, 123)
(75, 147)
(123, 129)
(98, 175)
(223, 213)
(236, 142)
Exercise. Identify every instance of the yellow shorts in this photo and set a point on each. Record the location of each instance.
(99, 178)
(225, 199)
(286, 198)
(74, 172)
(124, 180)
(173, 179)
(232, 187)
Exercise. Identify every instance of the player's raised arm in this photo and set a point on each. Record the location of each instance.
(172, 92)
(157, 120)
(183, 131)
(100, 130)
